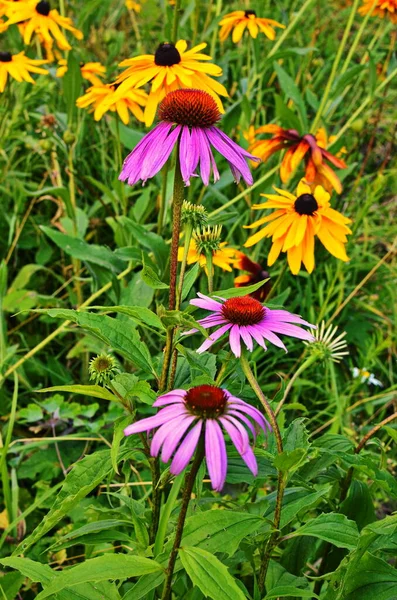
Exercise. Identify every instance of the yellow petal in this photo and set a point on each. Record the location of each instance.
(294, 256)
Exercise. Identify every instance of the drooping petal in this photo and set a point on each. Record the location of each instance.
(215, 454)
(234, 338)
(213, 338)
(206, 302)
(175, 437)
(185, 451)
(162, 416)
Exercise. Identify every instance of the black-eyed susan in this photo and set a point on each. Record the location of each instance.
(172, 67)
(19, 67)
(224, 257)
(383, 9)
(102, 98)
(254, 274)
(239, 20)
(296, 222)
(91, 71)
(38, 17)
(298, 147)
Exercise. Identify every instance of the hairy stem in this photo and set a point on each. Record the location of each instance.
(187, 492)
(176, 227)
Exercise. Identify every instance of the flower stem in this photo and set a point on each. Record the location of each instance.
(357, 39)
(210, 269)
(280, 481)
(187, 492)
(310, 360)
(290, 27)
(177, 9)
(334, 69)
(176, 226)
(188, 237)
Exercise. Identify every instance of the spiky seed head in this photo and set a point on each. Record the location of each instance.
(193, 214)
(208, 240)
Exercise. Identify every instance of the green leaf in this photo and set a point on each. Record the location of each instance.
(118, 435)
(296, 500)
(209, 574)
(189, 279)
(90, 528)
(331, 527)
(80, 481)
(150, 277)
(93, 391)
(131, 388)
(289, 590)
(138, 313)
(292, 92)
(102, 568)
(237, 292)
(72, 82)
(99, 255)
(120, 335)
(290, 460)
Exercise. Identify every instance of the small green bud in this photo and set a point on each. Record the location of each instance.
(193, 214)
(102, 368)
(208, 240)
(69, 137)
(358, 125)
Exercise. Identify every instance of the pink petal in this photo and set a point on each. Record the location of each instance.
(250, 460)
(151, 422)
(215, 454)
(234, 339)
(244, 419)
(238, 435)
(185, 451)
(206, 302)
(175, 437)
(256, 335)
(246, 338)
(291, 330)
(213, 338)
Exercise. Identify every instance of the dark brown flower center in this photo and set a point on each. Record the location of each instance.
(206, 401)
(243, 311)
(167, 55)
(43, 8)
(194, 108)
(249, 13)
(306, 204)
(5, 57)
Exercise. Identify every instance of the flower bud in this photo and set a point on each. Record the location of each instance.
(102, 368)
(193, 214)
(208, 240)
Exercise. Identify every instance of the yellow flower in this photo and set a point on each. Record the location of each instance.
(295, 223)
(383, 8)
(135, 6)
(19, 67)
(91, 71)
(42, 20)
(224, 257)
(239, 20)
(172, 67)
(103, 98)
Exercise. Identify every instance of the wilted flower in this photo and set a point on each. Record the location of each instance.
(38, 17)
(299, 147)
(187, 117)
(102, 368)
(103, 98)
(255, 274)
(202, 412)
(91, 71)
(295, 223)
(366, 376)
(383, 8)
(19, 67)
(239, 20)
(172, 67)
(248, 320)
(325, 345)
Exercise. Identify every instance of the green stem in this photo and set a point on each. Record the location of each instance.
(177, 9)
(187, 492)
(188, 237)
(210, 272)
(309, 361)
(280, 480)
(218, 11)
(357, 39)
(166, 513)
(167, 360)
(4, 450)
(290, 27)
(120, 165)
(334, 69)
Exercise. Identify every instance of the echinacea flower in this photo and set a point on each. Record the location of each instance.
(299, 147)
(239, 20)
(19, 67)
(295, 223)
(203, 412)
(224, 257)
(187, 120)
(40, 18)
(91, 71)
(366, 376)
(172, 67)
(325, 345)
(383, 8)
(103, 98)
(246, 319)
(255, 274)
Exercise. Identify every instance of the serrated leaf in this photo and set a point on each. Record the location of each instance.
(209, 574)
(93, 391)
(99, 255)
(290, 460)
(150, 277)
(333, 528)
(131, 388)
(102, 568)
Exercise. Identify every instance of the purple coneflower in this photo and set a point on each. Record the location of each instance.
(248, 320)
(186, 415)
(186, 117)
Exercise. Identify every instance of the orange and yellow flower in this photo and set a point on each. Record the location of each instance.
(224, 257)
(239, 20)
(383, 9)
(38, 17)
(299, 147)
(132, 5)
(296, 222)
(172, 67)
(19, 67)
(91, 71)
(103, 98)
(254, 274)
